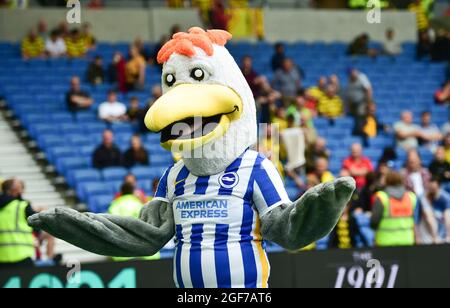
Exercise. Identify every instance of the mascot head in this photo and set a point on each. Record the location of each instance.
(207, 112)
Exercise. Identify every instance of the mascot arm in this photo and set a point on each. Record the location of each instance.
(110, 235)
(312, 217)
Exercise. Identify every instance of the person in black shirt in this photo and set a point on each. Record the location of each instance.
(136, 154)
(439, 166)
(107, 154)
(95, 72)
(77, 99)
(346, 233)
(278, 57)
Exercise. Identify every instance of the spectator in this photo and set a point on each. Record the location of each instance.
(139, 193)
(287, 80)
(266, 101)
(360, 47)
(313, 153)
(156, 93)
(154, 54)
(112, 110)
(330, 105)
(136, 154)
(280, 119)
(439, 166)
(391, 46)
(142, 49)
(32, 46)
(95, 72)
(322, 172)
(424, 45)
(422, 11)
(55, 46)
(218, 16)
(87, 36)
(16, 239)
(440, 51)
(270, 147)
(363, 200)
(407, 133)
(175, 29)
(127, 204)
(358, 93)
(278, 57)
(76, 45)
(442, 96)
(135, 70)
(384, 167)
(357, 165)
(368, 126)
(303, 117)
(430, 135)
(76, 98)
(435, 206)
(318, 91)
(404, 213)
(446, 129)
(42, 29)
(253, 79)
(133, 111)
(107, 154)
(416, 177)
(447, 147)
(346, 233)
(116, 72)
(63, 29)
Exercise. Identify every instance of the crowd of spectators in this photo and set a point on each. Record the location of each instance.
(59, 42)
(285, 104)
(288, 108)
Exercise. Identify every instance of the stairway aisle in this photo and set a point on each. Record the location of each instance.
(17, 162)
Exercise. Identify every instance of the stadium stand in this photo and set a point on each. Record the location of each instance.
(34, 91)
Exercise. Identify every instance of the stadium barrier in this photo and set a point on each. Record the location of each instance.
(368, 268)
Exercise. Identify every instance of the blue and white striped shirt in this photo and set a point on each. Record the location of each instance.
(219, 242)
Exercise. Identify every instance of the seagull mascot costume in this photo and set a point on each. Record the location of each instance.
(221, 201)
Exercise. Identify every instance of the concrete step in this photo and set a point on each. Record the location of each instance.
(12, 148)
(23, 177)
(20, 170)
(42, 195)
(44, 189)
(47, 204)
(16, 162)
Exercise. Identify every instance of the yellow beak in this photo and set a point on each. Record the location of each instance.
(193, 102)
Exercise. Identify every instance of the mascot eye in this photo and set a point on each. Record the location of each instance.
(197, 74)
(170, 80)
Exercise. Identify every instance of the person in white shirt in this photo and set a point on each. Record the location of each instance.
(112, 110)
(391, 46)
(55, 46)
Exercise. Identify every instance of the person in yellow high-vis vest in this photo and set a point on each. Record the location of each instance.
(395, 214)
(17, 243)
(128, 205)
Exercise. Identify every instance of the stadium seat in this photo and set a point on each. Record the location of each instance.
(86, 190)
(83, 175)
(114, 174)
(99, 203)
(63, 164)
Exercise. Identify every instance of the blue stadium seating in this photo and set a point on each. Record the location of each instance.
(69, 139)
(114, 174)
